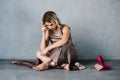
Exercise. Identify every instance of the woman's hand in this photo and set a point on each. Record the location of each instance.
(44, 52)
(44, 28)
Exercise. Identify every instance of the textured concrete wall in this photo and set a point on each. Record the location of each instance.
(95, 26)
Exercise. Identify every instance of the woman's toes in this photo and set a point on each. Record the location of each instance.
(41, 67)
(36, 68)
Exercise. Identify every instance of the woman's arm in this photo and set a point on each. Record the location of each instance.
(45, 38)
(63, 40)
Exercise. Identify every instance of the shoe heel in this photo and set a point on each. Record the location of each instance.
(100, 59)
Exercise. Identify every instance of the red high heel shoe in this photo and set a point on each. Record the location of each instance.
(101, 64)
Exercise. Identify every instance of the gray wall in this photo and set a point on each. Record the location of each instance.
(95, 26)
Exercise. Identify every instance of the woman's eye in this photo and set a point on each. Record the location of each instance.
(51, 25)
(45, 25)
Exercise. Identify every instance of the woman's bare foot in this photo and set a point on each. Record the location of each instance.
(66, 67)
(41, 67)
(52, 64)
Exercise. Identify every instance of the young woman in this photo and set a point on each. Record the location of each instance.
(61, 52)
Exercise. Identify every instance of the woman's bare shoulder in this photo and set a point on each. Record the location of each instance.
(66, 29)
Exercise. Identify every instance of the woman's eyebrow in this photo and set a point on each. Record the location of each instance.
(49, 25)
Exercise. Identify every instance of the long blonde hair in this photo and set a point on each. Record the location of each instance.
(51, 16)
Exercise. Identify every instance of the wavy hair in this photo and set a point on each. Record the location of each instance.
(51, 16)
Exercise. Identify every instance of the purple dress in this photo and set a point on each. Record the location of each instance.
(63, 54)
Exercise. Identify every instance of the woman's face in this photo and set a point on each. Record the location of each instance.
(51, 25)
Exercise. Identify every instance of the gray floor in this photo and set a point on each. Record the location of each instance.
(14, 72)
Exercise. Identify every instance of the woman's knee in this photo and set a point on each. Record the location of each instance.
(43, 58)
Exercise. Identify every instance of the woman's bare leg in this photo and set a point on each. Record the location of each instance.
(46, 62)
